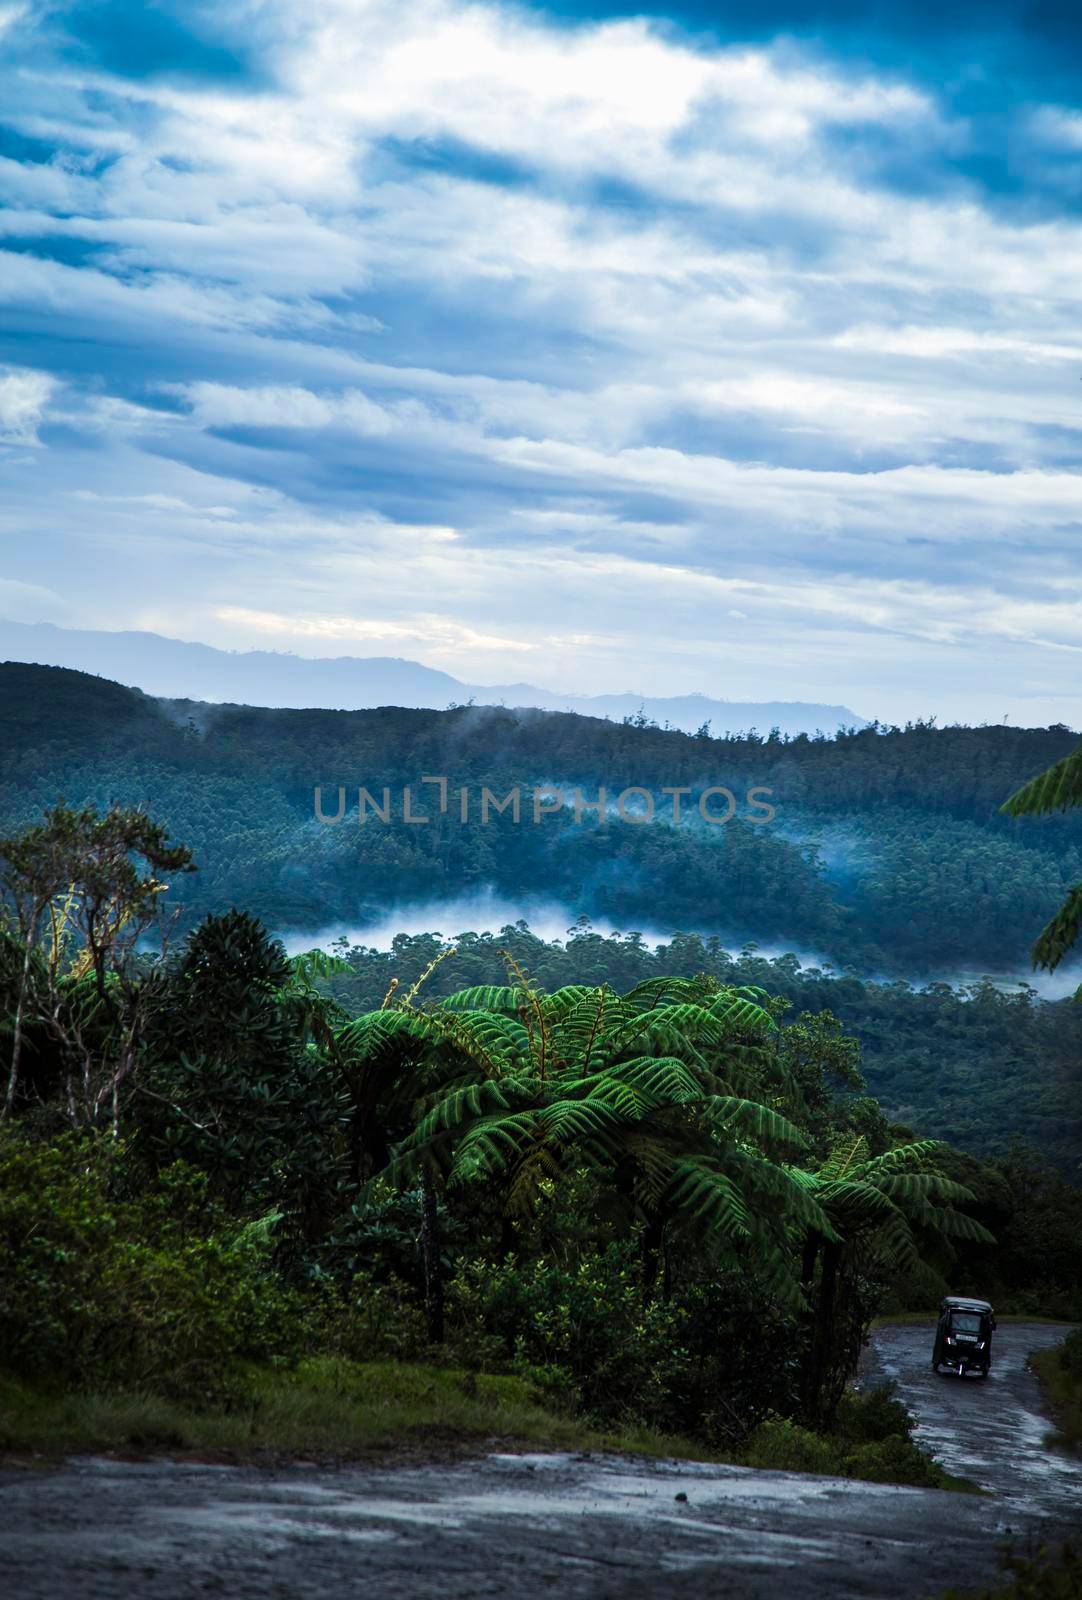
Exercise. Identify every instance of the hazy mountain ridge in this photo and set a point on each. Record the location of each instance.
(176, 669)
(888, 853)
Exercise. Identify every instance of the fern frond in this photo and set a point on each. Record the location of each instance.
(497, 997)
(663, 1079)
(655, 992)
(957, 1225)
(909, 1186)
(845, 1158)
(749, 1116)
(1058, 937)
(533, 1013)
(1057, 789)
(736, 1010)
(582, 1025)
(313, 964)
(489, 1041)
(709, 1197)
(570, 1120)
(493, 1146)
(906, 1157)
(473, 1100)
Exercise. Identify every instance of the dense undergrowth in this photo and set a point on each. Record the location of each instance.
(153, 1320)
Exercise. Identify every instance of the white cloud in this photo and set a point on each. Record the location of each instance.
(23, 397)
(427, 629)
(217, 405)
(29, 602)
(469, 315)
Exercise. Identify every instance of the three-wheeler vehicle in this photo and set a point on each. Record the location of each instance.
(963, 1339)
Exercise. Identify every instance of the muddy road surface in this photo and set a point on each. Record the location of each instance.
(991, 1430)
(524, 1526)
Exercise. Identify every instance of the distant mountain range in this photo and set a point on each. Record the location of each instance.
(174, 668)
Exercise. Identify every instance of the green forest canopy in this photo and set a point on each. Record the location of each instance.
(888, 853)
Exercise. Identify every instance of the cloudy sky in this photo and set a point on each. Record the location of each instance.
(733, 348)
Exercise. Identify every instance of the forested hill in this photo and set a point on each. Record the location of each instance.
(887, 852)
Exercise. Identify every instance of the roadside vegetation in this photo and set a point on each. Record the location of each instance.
(1060, 1373)
(1053, 1573)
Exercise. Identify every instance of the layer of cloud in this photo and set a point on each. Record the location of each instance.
(450, 326)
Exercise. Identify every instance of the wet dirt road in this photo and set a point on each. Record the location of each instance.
(991, 1430)
(524, 1526)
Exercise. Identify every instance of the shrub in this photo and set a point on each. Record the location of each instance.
(871, 1439)
(778, 1445)
(744, 1360)
(583, 1333)
(160, 1291)
(869, 1416)
(369, 1321)
(1070, 1354)
(894, 1460)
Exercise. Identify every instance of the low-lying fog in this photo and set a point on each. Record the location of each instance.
(487, 911)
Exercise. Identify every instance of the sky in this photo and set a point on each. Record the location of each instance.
(731, 348)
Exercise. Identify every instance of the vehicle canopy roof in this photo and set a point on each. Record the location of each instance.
(954, 1302)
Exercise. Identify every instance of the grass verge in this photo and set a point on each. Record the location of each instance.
(1059, 1372)
(330, 1411)
(326, 1409)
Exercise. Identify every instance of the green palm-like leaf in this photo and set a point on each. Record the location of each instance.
(568, 1121)
(654, 992)
(740, 1009)
(957, 1225)
(661, 1079)
(1057, 789)
(1058, 937)
(906, 1158)
(504, 999)
(584, 1024)
(845, 1159)
(460, 1106)
(751, 1117)
(493, 1146)
(914, 1186)
(710, 1198)
(313, 964)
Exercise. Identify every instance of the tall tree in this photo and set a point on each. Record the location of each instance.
(82, 890)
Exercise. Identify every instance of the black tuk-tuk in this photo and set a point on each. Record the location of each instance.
(963, 1339)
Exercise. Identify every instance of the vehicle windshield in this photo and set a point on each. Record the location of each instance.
(965, 1322)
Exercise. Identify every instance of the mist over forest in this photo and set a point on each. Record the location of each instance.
(887, 853)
